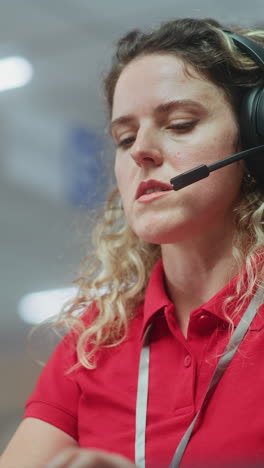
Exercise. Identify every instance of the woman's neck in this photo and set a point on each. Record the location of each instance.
(195, 271)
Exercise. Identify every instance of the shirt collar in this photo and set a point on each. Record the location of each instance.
(156, 299)
(215, 304)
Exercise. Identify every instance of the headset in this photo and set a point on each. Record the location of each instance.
(251, 127)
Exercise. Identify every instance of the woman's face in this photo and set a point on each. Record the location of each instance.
(165, 122)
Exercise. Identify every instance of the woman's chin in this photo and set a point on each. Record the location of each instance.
(156, 235)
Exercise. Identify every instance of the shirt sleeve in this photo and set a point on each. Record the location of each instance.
(56, 395)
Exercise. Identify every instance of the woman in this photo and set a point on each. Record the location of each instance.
(173, 273)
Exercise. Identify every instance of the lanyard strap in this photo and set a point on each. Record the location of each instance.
(143, 379)
(142, 401)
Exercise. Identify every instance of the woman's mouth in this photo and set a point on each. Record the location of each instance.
(151, 190)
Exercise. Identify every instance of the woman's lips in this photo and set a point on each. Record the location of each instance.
(149, 197)
(157, 186)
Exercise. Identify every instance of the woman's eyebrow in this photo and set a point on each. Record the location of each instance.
(123, 120)
(160, 110)
(189, 104)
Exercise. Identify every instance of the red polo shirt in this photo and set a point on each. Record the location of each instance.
(97, 407)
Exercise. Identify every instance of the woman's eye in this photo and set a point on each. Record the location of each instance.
(182, 127)
(125, 142)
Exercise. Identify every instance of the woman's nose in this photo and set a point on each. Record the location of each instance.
(146, 149)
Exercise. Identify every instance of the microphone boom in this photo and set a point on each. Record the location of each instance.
(203, 171)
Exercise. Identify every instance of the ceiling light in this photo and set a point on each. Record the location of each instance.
(39, 306)
(14, 72)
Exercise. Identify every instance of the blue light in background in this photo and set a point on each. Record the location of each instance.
(85, 174)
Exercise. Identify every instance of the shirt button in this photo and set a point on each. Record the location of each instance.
(187, 360)
(205, 323)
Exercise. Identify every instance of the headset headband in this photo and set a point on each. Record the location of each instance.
(253, 49)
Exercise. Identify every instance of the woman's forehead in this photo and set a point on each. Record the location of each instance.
(154, 79)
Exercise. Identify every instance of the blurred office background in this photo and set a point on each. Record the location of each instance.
(52, 146)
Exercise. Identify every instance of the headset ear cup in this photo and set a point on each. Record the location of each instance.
(252, 130)
(252, 118)
(260, 116)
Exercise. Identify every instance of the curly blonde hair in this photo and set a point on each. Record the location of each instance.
(115, 275)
